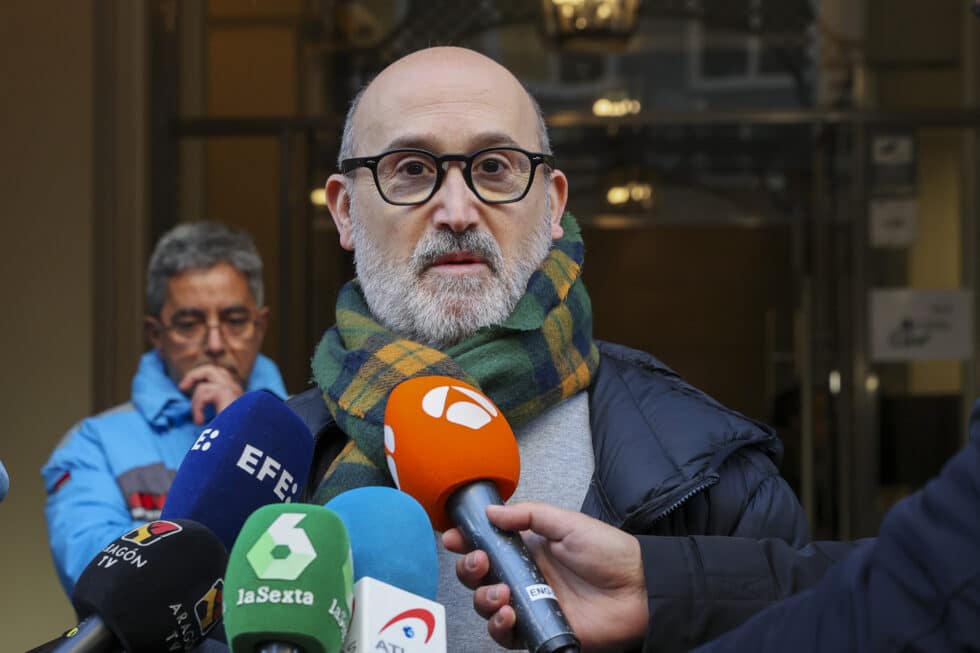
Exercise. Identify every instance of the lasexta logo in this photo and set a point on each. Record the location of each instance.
(155, 531)
(283, 535)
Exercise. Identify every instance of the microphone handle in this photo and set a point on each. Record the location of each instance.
(90, 636)
(540, 620)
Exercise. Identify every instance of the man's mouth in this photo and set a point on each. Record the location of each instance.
(460, 262)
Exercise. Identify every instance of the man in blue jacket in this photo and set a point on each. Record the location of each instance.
(914, 588)
(206, 322)
(469, 266)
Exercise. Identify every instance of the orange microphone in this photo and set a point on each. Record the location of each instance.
(452, 449)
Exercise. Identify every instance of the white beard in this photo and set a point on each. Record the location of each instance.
(441, 310)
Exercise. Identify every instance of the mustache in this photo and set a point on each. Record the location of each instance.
(439, 243)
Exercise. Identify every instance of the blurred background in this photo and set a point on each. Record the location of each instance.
(780, 199)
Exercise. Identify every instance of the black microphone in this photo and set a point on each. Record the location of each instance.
(156, 589)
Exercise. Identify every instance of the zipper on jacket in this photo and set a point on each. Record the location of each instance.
(637, 517)
(700, 487)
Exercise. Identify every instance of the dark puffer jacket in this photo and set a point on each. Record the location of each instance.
(915, 588)
(671, 461)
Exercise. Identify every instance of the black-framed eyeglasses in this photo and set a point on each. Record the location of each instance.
(407, 177)
(191, 326)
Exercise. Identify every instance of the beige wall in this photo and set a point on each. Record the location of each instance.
(46, 56)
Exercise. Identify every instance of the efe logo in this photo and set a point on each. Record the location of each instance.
(155, 531)
(203, 442)
(269, 468)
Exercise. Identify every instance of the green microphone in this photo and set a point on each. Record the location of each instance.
(289, 584)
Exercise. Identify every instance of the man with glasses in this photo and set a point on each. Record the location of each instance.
(206, 322)
(469, 266)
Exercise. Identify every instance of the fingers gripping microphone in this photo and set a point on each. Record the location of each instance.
(289, 584)
(255, 452)
(451, 448)
(396, 572)
(157, 588)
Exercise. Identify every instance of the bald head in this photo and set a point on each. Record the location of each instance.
(420, 99)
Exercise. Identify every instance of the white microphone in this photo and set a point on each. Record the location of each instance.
(390, 619)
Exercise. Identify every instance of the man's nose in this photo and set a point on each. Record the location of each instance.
(214, 341)
(456, 206)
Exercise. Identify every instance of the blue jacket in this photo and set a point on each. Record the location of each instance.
(915, 588)
(669, 461)
(112, 472)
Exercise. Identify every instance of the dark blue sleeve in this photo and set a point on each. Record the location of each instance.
(917, 587)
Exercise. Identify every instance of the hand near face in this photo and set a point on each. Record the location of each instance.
(595, 570)
(210, 385)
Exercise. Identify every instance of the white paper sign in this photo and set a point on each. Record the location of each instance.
(894, 221)
(909, 325)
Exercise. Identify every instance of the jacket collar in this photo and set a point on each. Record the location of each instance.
(164, 406)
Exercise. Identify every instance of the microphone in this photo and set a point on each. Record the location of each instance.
(4, 482)
(157, 588)
(289, 583)
(396, 573)
(452, 449)
(255, 452)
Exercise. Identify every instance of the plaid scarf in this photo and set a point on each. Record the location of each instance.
(542, 354)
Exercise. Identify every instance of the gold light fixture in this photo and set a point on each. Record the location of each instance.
(318, 197)
(636, 192)
(607, 108)
(591, 24)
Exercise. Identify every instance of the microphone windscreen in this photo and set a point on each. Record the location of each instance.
(255, 452)
(4, 482)
(441, 433)
(391, 538)
(156, 588)
(290, 579)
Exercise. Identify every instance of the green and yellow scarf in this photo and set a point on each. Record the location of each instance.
(541, 355)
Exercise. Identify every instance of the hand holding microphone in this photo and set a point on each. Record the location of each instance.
(448, 446)
(595, 568)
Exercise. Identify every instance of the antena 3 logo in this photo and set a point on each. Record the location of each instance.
(155, 531)
(425, 616)
(473, 414)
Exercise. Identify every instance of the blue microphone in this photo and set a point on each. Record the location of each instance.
(4, 482)
(391, 538)
(396, 572)
(255, 452)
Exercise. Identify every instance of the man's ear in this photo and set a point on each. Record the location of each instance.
(261, 322)
(558, 192)
(338, 201)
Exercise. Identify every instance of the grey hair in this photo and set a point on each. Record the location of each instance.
(200, 246)
(348, 147)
